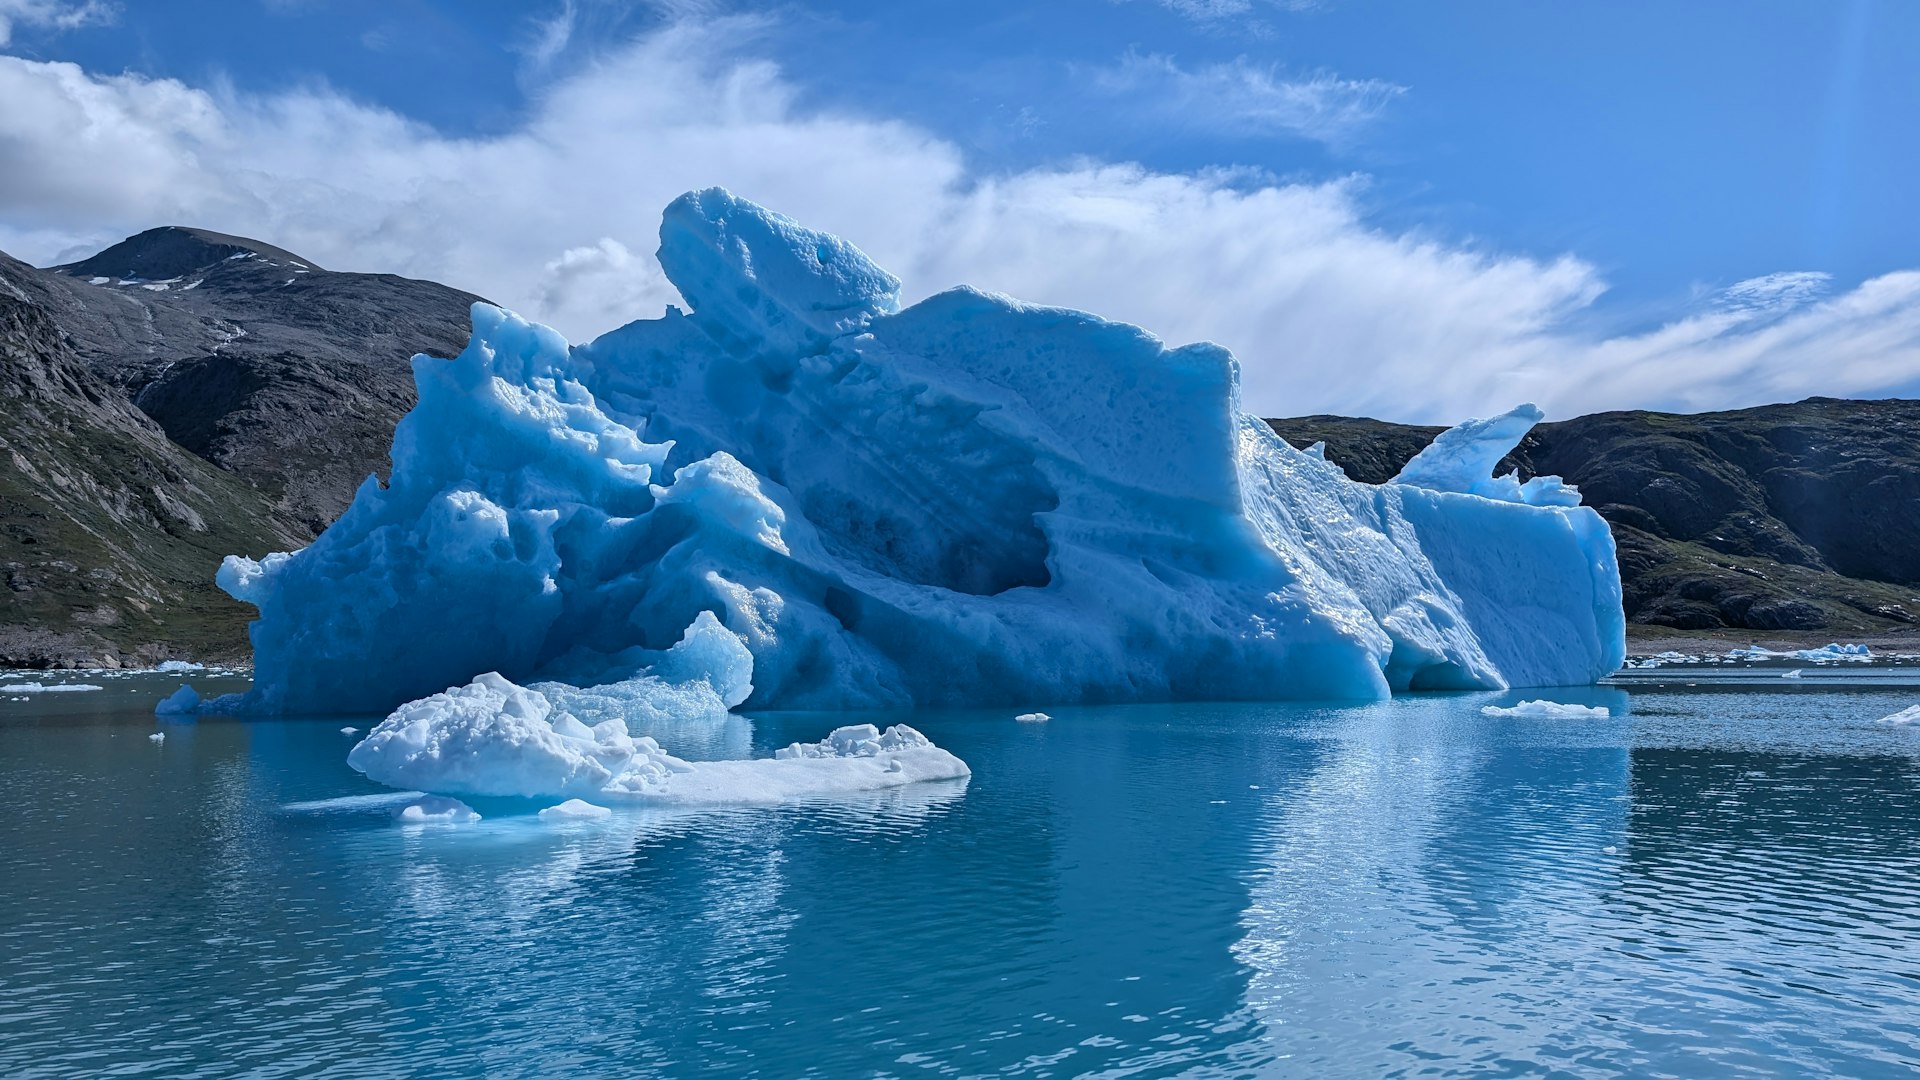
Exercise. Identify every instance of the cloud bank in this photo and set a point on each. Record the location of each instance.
(557, 218)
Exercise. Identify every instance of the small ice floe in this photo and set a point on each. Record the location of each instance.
(1033, 718)
(179, 665)
(182, 702)
(575, 810)
(158, 737)
(349, 731)
(492, 737)
(389, 801)
(1830, 653)
(436, 809)
(51, 688)
(1910, 715)
(1553, 710)
(1794, 674)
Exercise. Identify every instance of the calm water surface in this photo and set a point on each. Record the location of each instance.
(1717, 883)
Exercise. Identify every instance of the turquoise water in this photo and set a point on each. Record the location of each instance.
(1720, 882)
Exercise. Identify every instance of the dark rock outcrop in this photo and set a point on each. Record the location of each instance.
(1780, 518)
(180, 396)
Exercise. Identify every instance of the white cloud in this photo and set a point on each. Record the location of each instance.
(1327, 311)
(52, 15)
(550, 37)
(1241, 98)
(1214, 11)
(1772, 294)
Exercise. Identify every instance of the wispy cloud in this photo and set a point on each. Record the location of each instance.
(1243, 99)
(1327, 310)
(1773, 294)
(1207, 12)
(53, 15)
(549, 37)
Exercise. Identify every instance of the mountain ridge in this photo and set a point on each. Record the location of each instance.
(186, 394)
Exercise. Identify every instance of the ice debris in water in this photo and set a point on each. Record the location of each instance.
(1554, 710)
(182, 702)
(1033, 718)
(575, 809)
(158, 736)
(1831, 653)
(492, 737)
(349, 731)
(436, 809)
(970, 500)
(1909, 715)
(50, 688)
(179, 665)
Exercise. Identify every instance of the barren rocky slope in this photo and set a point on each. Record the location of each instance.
(180, 396)
(1801, 517)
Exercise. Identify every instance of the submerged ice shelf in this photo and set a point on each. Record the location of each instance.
(833, 502)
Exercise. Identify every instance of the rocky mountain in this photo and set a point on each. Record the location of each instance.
(180, 396)
(1801, 517)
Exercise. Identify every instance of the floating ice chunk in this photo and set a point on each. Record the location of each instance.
(1831, 653)
(349, 731)
(51, 688)
(1033, 718)
(1909, 715)
(1794, 674)
(182, 702)
(575, 809)
(179, 665)
(436, 809)
(492, 737)
(1555, 710)
(158, 737)
(390, 801)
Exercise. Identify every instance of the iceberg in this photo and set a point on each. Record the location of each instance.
(575, 810)
(436, 809)
(846, 503)
(1549, 710)
(1832, 653)
(182, 702)
(494, 738)
(51, 688)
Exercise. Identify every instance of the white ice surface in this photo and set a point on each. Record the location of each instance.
(575, 810)
(436, 809)
(1033, 718)
(492, 737)
(1554, 710)
(1825, 654)
(1909, 715)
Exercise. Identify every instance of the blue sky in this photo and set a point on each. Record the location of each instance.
(1637, 164)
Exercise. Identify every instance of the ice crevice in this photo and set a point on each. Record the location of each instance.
(801, 495)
